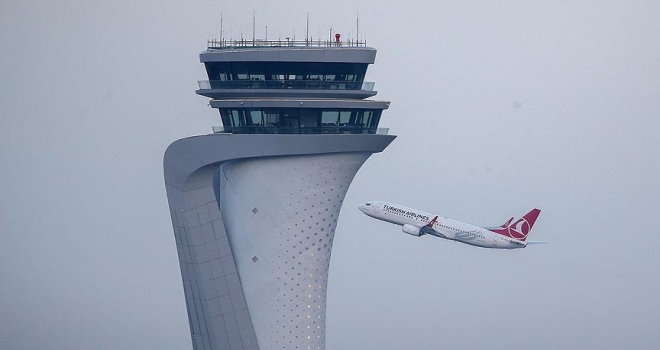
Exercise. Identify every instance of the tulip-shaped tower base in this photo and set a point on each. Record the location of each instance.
(254, 230)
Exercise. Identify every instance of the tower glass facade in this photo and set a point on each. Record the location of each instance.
(300, 120)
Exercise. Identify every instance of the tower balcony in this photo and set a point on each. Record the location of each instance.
(218, 89)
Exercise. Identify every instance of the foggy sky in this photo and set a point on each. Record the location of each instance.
(499, 107)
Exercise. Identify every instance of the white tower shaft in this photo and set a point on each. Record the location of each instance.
(280, 215)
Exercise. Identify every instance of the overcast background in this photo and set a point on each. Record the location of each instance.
(499, 107)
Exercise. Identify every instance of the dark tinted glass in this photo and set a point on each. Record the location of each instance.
(300, 120)
(286, 70)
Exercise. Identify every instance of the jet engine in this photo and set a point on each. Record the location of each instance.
(412, 230)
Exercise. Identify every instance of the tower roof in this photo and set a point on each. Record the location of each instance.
(288, 51)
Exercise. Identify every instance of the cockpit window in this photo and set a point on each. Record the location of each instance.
(368, 204)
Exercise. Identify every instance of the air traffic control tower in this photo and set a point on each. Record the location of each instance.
(255, 204)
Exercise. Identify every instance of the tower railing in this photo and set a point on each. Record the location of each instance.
(223, 44)
(286, 84)
(300, 130)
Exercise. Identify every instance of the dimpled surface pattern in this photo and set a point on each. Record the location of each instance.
(280, 215)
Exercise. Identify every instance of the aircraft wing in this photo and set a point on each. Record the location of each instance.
(429, 230)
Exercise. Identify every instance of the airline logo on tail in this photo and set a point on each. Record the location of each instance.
(519, 229)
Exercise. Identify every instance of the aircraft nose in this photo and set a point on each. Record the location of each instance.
(363, 208)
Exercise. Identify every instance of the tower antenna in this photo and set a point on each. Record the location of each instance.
(357, 29)
(220, 27)
(254, 21)
(307, 31)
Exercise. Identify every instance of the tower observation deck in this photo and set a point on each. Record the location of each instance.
(255, 204)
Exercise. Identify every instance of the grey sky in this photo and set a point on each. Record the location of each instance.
(500, 106)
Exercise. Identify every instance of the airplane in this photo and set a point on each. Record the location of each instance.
(510, 235)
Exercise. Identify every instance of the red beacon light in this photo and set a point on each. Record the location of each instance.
(337, 36)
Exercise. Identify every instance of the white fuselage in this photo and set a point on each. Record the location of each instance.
(441, 227)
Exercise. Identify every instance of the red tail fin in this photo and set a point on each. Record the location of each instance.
(432, 222)
(520, 229)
